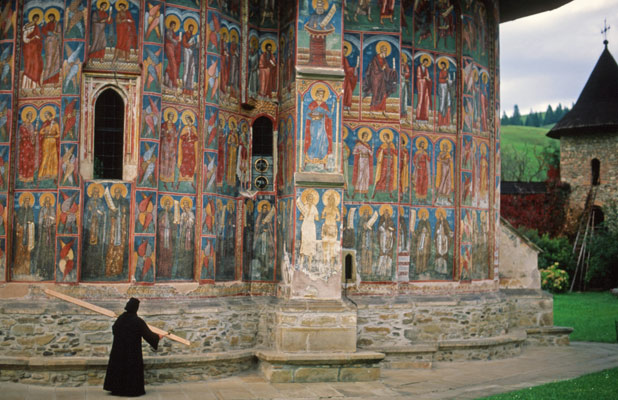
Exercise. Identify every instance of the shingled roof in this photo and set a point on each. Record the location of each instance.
(513, 9)
(596, 109)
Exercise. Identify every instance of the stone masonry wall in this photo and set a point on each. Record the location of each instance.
(576, 154)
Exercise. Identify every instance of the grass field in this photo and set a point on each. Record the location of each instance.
(592, 317)
(523, 143)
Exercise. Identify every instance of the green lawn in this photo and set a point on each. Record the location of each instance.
(524, 143)
(592, 316)
(598, 386)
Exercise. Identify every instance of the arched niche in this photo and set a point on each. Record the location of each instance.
(125, 88)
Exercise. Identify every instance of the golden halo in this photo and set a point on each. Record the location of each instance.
(253, 42)
(47, 109)
(24, 196)
(219, 204)
(349, 46)
(315, 197)
(423, 213)
(52, 199)
(404, 58)
(186, 199)
(26, 110)
(483, 148)
(404, 139)
(425, 57)
(165, 199)
(99, 2)
(33, 12)
(272, 43)
(447, 143)
(231, 205)
(361, 131)
(475, 73)
(386, 207)
(383, 134)
(244, 125)
(95, 185)
(50, 12)
(185, 114)
(365, 210)
(224, 33)
(123, 189)
(231, 121)
(172, 111)
(119, 2)
(315, 2)
(443, 60)
(172, 18)
(484, 76)
(264, 203)
(440, 213)
(386, 44)
(249, 206)
(316, 88)
(345, 132)
(331, 193)
(188, 22)
(420, 140)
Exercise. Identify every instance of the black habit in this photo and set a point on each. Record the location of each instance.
(125, 370)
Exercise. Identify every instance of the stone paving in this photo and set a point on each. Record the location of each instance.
(449, 380)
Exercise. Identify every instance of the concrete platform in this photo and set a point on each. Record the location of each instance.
(445, 380)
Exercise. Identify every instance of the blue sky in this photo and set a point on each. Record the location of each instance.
(547, 58)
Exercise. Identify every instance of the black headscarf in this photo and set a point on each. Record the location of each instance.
(132, 305)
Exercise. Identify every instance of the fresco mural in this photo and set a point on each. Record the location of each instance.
(381, 60)
(70, 118)
(287, 64)
(432, 237)
(229, 50)
(267, 67)
(38, 135)
(6, 66)
(181, 55)
(424, 79)
(430, 32)
(145, 221)
(69, 168)
(318, 217)
(474, 248)
(225, 231)
(34, 239)
(7, 20)
(259, 238)
(67, 259)
(144, 259)
(113, 34)
(72, 67)
(154, 27)
(69, 219)
(179, 151)
(351, 65)
(175, 238)
(444, 182)
(319, 133)
(153, 67)
(42, 48)
(367, 15)
(5, 117)
(319, 33)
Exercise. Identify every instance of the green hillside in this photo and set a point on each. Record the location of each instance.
(525, 152)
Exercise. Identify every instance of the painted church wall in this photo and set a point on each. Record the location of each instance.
(410, 127)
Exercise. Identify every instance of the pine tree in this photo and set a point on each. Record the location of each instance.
(505, 119)
(549, 116)
(530, 118)
(516, 118)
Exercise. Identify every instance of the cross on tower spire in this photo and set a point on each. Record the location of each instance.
(604, 31)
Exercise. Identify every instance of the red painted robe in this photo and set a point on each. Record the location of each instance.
(349, 83)
(421, 174)
(172, 52)
(423, 88)
(224, 75)
(26, 152)
(126, 37)
(267, 74)
(387, 168)
(33, 48)
(188, 138)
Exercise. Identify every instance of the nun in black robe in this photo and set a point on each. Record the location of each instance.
(125, 370)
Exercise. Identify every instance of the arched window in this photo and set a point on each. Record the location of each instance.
(597, 216)
(108, 135)
(262, 154)
(595, 165)
(263, 137)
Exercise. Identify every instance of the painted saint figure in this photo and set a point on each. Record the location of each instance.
(365, 241)
(386, 241)
(443, 241)
(52, 44)
(306, 204)
(318, 129)
(100, 18)
(190, 53)
(118, 231)
(263, 241)
(165, 239)
(24, 235)
(49, 135)
(444, 174)
(172, 53)
(386, 168)
(27, 136)
(350, 79)
(445, 101)
(187, 150)
(95, 229)
(422, 240)
(362, 172)
(422, 170)
(126, 36)
(380, 79)
(46, 238)
(423, 88)
(267, 70)
(169, 136)
(185, 245)
(330, 229)
(32, 50)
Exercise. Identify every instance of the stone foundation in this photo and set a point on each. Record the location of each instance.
(50, 342)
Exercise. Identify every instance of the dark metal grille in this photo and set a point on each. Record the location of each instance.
(108, 135)
(262, 137)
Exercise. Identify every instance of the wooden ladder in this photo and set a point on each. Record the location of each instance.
(585, 229)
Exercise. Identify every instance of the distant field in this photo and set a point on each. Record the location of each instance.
(517, 140)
